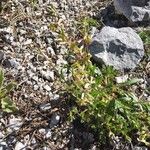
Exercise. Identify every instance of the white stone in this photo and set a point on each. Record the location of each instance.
(56, 96)
(49, 75)
(14, 123)
(35, 87)
(23, 31)
(27, 42)
(51, 51)
(35, 78)
(45, 107)
(47, 88)
(9, 29)
(48, 134)
(121, 79)
(19, 146)
(57, 117)
(33, 141)
(43, 28)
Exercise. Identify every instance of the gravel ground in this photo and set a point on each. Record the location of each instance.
(31, 55)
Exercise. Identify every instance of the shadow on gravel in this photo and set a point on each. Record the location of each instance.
(85, 138)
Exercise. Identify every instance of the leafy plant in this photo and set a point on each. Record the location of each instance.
(106, 106)
(6, 104)
(145, 35)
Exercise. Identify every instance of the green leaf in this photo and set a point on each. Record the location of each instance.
(10, 86)
(1, 78)
(132, 81)
(145, 36)
(110, 109)
(3, 93)
(7, 105)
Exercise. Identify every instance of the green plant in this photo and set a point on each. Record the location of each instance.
(5, 103)
(145, 35)
(107, 107)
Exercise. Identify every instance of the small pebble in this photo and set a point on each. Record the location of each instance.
(19, 146)
(55, 119)
(14, 123)
(121, 79)
(27, 42)
(3, 146)
(47, 88)
(45, 107)
(35, 78)
(48, 134)
(42, 131)
(36, 87)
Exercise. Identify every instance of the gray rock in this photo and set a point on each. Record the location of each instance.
(13, 63)
(55, 119)
(45, 107)
(3, 145)
(11, 140)
(121, 48)
(6, 63)
(14, 124)
(140, 148)
(134, 10)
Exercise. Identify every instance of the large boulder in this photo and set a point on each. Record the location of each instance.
(121, 48)
(134, 10)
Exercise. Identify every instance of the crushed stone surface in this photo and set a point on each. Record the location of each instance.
(31, 55)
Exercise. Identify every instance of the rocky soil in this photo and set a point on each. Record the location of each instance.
(31, 55)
